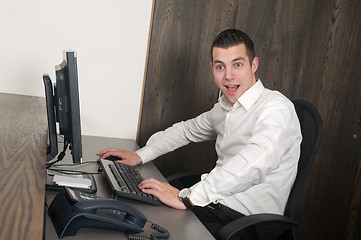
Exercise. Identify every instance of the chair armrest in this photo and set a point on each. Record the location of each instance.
(184, 179)
(267, 224)
(182, 175)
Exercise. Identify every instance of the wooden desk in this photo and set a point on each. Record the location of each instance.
(23, 139)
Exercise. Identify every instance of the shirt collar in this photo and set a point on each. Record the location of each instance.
(247, 99)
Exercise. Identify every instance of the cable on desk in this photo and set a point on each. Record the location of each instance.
(76, 164)
(161, 234)
(71, 171)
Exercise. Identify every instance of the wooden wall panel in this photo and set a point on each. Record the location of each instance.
(179, 83)
(308, 50)
(354, 218)
(311, 50)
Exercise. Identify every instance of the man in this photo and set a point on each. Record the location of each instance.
(257, 142)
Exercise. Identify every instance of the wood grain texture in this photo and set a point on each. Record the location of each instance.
(310, 50)
(179, 81)
(354, 219)
(23, 136)
(307, 49)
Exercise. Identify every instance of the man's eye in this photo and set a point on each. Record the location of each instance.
(220, 67)
(238, 64)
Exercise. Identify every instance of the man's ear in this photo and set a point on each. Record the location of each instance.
(254, 64)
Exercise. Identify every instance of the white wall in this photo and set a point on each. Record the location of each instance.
(110, 38)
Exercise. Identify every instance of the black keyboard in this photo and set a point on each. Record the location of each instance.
(124, 181)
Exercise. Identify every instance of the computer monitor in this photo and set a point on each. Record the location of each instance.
(65, 100)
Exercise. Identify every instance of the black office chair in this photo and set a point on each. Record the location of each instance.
(274, 226)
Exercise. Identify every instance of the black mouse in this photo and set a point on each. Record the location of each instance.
(113, 158)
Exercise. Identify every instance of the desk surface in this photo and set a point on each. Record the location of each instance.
(23, 138)
(181, 224)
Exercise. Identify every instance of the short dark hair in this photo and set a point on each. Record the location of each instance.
(233, 37)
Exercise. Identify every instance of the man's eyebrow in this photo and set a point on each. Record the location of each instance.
(238, 59)
(218, 61)
(234, 60)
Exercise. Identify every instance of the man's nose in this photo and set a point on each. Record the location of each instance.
(229, 74)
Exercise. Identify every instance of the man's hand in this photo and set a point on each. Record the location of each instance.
(166, 193)
(129, 158)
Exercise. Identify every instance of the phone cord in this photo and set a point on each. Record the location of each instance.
(161, 234)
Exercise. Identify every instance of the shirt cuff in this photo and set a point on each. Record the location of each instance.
(198, 197)
(146, 154)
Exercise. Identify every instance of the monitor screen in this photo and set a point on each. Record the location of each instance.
(66, 105)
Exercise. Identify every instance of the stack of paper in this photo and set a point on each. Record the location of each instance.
(72, 181)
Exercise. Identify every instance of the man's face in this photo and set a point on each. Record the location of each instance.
(232, 71)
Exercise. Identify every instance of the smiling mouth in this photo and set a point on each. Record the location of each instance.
(232, 88)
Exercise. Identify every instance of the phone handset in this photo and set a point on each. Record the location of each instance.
(132, 215)
(72, 210)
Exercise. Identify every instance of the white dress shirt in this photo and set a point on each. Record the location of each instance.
(258, 147)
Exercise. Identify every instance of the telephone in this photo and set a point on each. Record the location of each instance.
(72, 210)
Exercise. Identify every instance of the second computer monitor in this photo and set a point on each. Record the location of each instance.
(66, 104)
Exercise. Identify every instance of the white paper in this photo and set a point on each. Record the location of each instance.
(72, 181)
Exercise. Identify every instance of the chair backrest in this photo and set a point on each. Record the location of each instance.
(311, 128)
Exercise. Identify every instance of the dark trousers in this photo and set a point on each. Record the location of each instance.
(215, 216)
